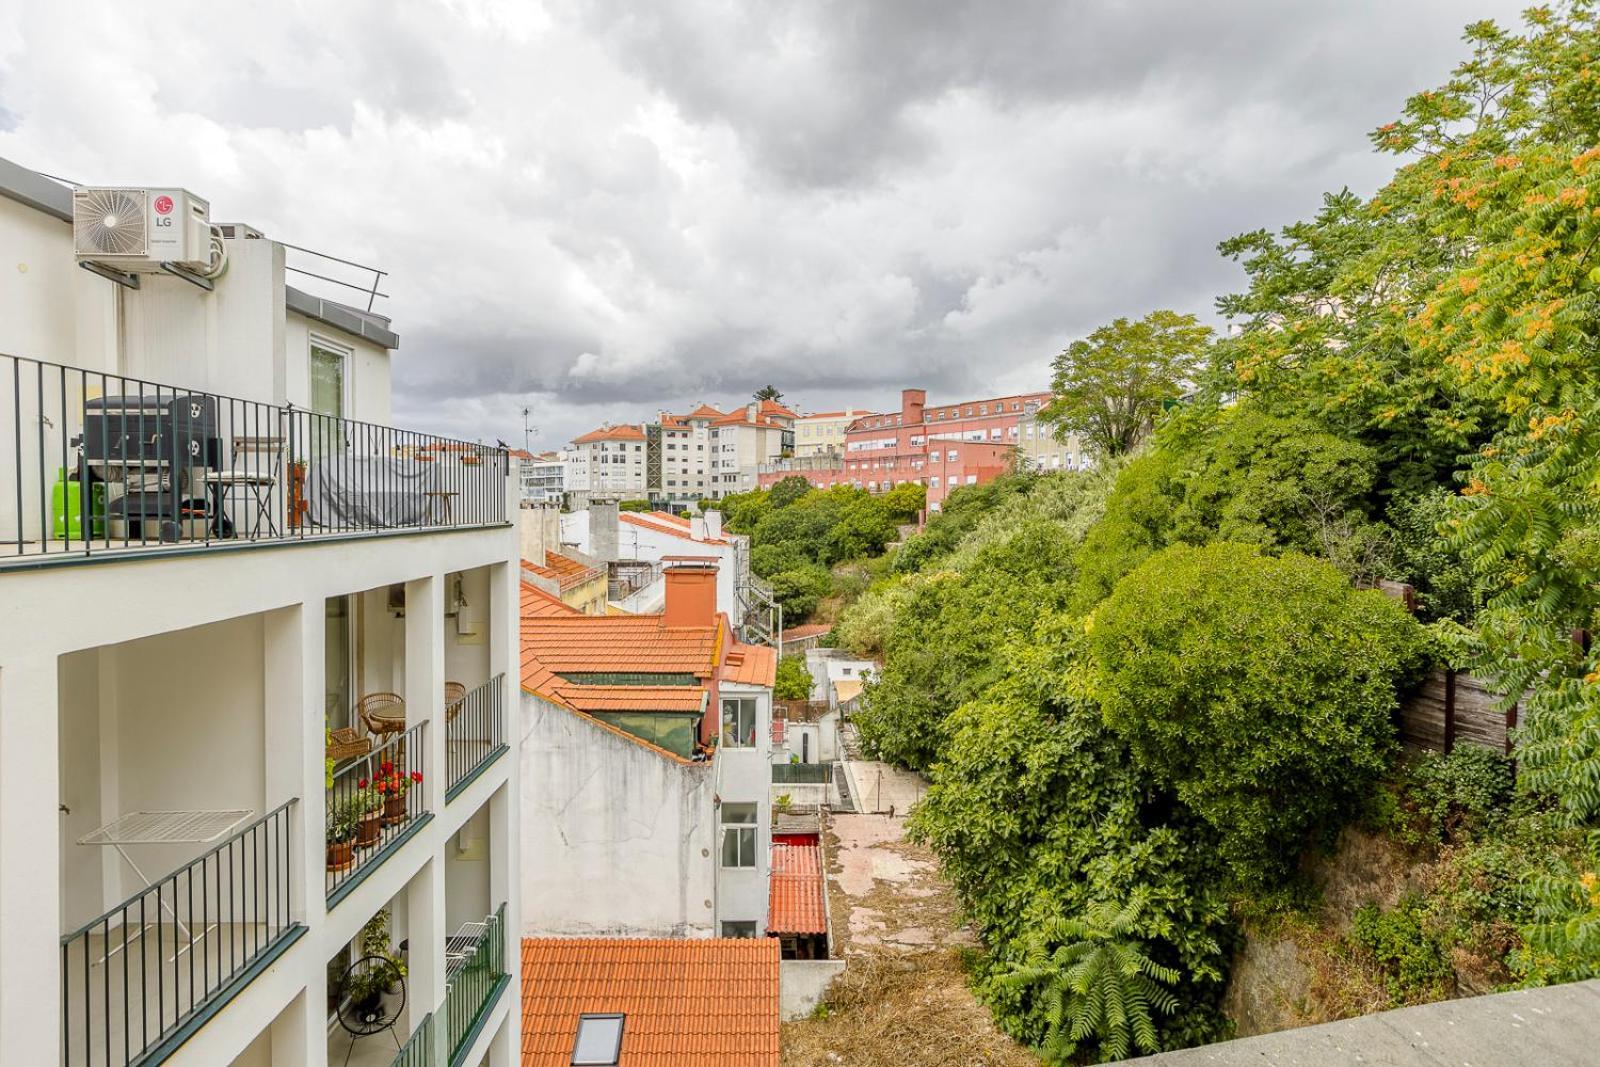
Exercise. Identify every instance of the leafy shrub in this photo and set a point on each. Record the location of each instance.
(1457, 793)
(794, 681)
(1414, 965)
(1259, 689)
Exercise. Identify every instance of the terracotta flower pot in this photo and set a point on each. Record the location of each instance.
(341, 854)
(394, 810)
(369, 829)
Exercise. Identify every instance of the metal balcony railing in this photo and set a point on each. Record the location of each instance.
(94, 464)
(802, 773)
(373, 802)
(475, 732)
(475, 973)
(134, 978)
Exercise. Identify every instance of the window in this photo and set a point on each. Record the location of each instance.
(599, 1041)
(738, 835)
(738, 722)
(327, 380)
(983, 409)
(951, 455)
(933, 482)
(739, 929)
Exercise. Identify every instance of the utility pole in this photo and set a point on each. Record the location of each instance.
(527, 433)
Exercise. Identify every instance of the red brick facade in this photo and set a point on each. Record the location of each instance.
(941, 446)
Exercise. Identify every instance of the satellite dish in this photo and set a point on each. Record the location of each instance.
(373, 996)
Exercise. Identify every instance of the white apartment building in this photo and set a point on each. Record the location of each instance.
(608, 462)
(254, 737)
(647, 768)
(682, 475)
(543, 476)
(740, 443)
(822, 433)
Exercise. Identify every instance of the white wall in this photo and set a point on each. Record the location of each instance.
(367, 371)
(466, 865)
(744, 775)
(642, 543)
(50, 308)
(617, 840)
(802, 984)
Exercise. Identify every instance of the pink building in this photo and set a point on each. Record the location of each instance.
(940, 447)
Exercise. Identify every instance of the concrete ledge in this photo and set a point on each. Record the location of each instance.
(1554, 1027)
(802, 985)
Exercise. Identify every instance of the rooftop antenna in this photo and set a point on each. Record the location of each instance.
(527, 432)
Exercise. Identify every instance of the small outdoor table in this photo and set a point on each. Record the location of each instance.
(165, 828)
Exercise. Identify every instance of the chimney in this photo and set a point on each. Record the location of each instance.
(752, 408)
(535, 531)
(713, 524)
(697, 528)
(603, 530)
(912, 401)
(691, 591)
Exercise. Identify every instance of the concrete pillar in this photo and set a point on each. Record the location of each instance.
(30, 854)
(505, 842)
(295, 741)
(300, 1033)
(506, 1050)
(425, 934)
(425, 678)
(603, 530)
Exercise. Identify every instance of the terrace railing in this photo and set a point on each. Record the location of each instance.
(475, 733)
(802, 773)
(475, 973)
(373, 802)
(94, 464)
(135, 979)
(473, 978)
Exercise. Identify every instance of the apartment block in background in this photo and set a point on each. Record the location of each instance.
(254, 643)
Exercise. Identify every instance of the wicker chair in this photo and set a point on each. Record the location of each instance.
(344, 744)
(384, 714)
(454, 694)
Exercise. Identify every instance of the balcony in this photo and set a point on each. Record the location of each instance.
(137, 980)
(475, 977)
(475, 734)
(98, 466)
(375, 804)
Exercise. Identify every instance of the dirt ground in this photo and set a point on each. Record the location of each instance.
(903, 1000)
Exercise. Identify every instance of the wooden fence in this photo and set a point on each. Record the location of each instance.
(1453, 707)
(799, 710)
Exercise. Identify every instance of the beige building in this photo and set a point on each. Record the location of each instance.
(822, 432)
(684, 470)
(609, 461)
(1041, 451)
(740, 443)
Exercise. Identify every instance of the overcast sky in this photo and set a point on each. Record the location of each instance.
(597, 210)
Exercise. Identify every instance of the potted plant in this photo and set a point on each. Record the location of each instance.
(366, 988)
(374, 941)
(341, 836)
(393, 785)
(369, 822)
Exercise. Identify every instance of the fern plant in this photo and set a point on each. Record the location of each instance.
(1095, 983)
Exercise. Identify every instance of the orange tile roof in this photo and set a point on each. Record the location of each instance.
(539, 604)
(667, 524)
(671, 698)
(810, 629)
(625, 432)
(772, 407)
(566, 571)
(632, 644)
(687, 1002)
(704, 411)
(751, 665)
(795, 901)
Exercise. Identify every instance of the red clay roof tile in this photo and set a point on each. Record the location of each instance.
(687, 1003)
(795, 903)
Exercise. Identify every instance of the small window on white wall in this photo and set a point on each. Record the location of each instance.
(738, 835)
(330, 372)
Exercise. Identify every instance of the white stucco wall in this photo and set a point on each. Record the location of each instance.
(802, 984)
(616, 839)
(641, 543)
(744, 775)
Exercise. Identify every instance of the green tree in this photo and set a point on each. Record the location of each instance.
(787, 491)
(767, 392)
(1111, 386)
(794, 680)
(1260, 690)
(1097, 983)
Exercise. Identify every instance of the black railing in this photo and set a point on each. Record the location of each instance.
(133, 977)
(102, 463)
(475, 731)
(373, 801)
(802, 773)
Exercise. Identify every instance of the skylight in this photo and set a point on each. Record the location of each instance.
(599, 1041)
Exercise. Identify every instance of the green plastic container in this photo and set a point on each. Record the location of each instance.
(66, 508)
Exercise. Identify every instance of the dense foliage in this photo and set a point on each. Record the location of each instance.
(798, 534)
(1160, 681)
(794, 680)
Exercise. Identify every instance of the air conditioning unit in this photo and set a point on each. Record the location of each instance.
(140, 229)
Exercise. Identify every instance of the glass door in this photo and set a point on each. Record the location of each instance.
(327, 399)
(338, 667)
